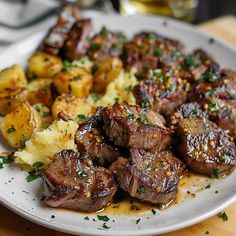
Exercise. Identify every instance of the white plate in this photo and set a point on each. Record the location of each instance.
(24, 198)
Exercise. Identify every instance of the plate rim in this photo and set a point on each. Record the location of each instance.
(152, 231)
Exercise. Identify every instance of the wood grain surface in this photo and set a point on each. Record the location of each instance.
(13, 225)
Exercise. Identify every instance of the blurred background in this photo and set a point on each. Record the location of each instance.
(20, 18)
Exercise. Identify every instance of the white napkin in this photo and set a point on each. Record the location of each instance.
(20, 12)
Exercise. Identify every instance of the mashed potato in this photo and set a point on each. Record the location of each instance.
(44, 144)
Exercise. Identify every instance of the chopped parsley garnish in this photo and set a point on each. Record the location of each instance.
(103, 218)
(210, 76)
(105, 226)
(86, 218)
(37, 108)
(212, 106)
(137, 221)
(45, 114)
(81, 117)
(95, 97)
(143, 119)
(189, 62)
(82, 174)
(195, 111)
(145, 103)
(208, 186)
(151, 36)
(11, 130)
(158, 52)
(37, 164)
(141, 189)
(128, 89)
(223, 216)
(104, 32)
(6, 159)
(131, 116)
(216, 173)
(66, 66)
(209, 93)
(154, 212)
(116, 99)
(32, 176)
(223, 159)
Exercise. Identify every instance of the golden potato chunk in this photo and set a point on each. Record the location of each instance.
(19, 125)
(12, 100)
(43, 65)
(106, 72)
(68, 106)
(45, 114)
(12, 79)
(76, 80)
(40, 92)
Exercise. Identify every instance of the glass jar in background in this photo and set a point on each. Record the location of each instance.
(181, 9)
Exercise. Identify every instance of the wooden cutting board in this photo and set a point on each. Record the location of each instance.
(13, 225)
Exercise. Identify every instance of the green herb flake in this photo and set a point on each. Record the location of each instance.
(195, 111)
(104, 32)
(95, 97)
(105, 226)
(7, 159)
(86, 218)
(208, 186)
(216, 173)
(1, 165)
(143, 119)
(137, 221)
(37, 164)
(131, 116)
(158, 52)
(81, 117)
(154, 212)
(128, 89)
(209, 76)
(223, 215)
(116, 100)
(212, 106)
(32, 176)
(37, 108)
(189, 62)
(151, 36)
(103, 218)
(82, 174)
(11, 130)
(141, 189)
(66, 66)
(45, 114)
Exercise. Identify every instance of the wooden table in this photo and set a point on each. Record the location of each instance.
(13, 225)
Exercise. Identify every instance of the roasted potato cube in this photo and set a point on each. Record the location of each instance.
(106, 72)
(45, 114)
(40, 92)
(76, 80)
(12, 79)
(68, 106)
(43, 65)
(12, 100)
(19, 125)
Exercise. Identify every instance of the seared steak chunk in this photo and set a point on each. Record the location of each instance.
(130, 126)
(72, 182)
(90, 138)
(106, 44)
(162, 92)
(77, 43)
(57, 35)
(150, 177)
(206, 148)
(149, 50)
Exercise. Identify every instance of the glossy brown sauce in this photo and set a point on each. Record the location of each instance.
(189, 185)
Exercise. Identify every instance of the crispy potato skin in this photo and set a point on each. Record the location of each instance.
(68, 106)
(12, 79)
(107, 71)
(43, 65)
(77, 81)
(12, 100)
(40, 92)
(19, 125)
(44, 113)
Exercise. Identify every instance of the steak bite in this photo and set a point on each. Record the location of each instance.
(77, 43)
(150, 177)
(187, 110)
(195, 64)
(57, 35)
(130, 126)
(106, 44)
(206, 148)
(90, 138)
(72, 182)
(161, 91)
(149, 50)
